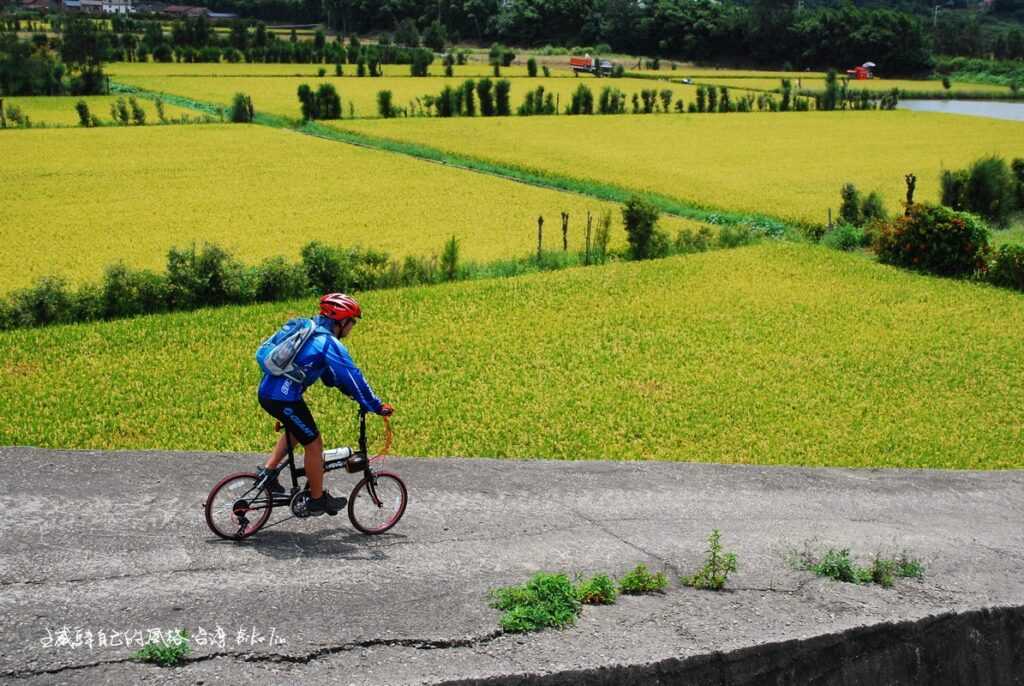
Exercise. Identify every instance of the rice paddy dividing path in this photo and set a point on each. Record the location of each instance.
(116, 542)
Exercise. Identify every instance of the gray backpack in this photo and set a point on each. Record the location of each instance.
(278, 359)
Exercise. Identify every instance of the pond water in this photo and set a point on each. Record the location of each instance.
(1013, 111)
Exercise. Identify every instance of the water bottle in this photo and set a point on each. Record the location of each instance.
(337, 454)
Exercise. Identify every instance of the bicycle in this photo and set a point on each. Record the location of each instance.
(240, 504)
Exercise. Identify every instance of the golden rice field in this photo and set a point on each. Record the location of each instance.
(789, 164)
(774, 354)
(151, 69)
(131, 193)
(278, 95)
(60, 110)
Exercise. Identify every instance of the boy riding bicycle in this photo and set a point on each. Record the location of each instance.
(320, 355)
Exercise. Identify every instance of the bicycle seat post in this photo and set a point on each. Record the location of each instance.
(362, 431)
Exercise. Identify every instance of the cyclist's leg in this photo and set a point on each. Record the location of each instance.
(280, 450)
(299, 423)
(314, 464)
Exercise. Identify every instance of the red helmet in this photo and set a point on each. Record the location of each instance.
(338, 306)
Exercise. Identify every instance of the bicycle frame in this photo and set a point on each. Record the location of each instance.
(331, 465)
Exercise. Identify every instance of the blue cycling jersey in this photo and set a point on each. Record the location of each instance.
(322, 357)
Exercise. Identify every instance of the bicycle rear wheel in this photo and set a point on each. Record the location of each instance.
(235, 508)
(377, 504)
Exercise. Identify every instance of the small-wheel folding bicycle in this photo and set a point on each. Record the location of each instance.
(240, 504)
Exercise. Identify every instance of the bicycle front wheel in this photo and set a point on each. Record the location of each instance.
(236, 509)
(377, 503)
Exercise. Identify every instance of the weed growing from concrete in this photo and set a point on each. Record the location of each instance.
(839, 565)
(716, 568)
(597, 590)
(546, 600)
(167, 652)
(909, 567)
(640, 580)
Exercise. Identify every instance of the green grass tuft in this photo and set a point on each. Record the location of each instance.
(640, 581)
(167, 652)
(546, 600)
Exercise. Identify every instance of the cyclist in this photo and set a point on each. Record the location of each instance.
(322, 357)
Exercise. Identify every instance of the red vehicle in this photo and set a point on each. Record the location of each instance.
(590, 65)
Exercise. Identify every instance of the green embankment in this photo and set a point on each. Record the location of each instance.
(778, 353)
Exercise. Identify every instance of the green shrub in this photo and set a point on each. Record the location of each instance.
(603, 237)
(384, 107)
(736, 235)
(1007, 267)
(873, 208)
(84, 117)
(242, 111)
(717, 566)
(689, 241)
(165, 653)
(1018, 173)
(278, 279)
(485, 95)
(844, 237)
(119, 112)
(850, 209)
(86, 303)
(954, 189)
(138, 114)
(546, 600)
(418, 270)
(197, 278)
(501, 99)
(992, 190)
(531, 67)
(48, 301)
(597, 590)
(640, 581)
(450, 259)
(640, 218)
(934, 239)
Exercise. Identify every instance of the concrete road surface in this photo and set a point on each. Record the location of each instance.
(96, 547)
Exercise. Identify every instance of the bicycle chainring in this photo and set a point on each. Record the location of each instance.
(298, 504)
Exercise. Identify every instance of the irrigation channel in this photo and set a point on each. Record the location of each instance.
(1012, 111)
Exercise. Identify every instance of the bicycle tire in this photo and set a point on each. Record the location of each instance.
(364, 503)
(226, 494)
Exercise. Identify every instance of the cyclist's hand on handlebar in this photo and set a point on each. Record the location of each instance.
(386, 410)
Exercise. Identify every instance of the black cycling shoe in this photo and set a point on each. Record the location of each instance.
(268, 478)
(325, 503)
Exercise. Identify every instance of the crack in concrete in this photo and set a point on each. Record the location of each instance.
(115, 577)
(598, 525)
(418, 643)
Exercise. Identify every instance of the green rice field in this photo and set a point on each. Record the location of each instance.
(773, 354)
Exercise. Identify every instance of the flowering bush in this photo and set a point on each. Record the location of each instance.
(934, 239)
(1007, 267)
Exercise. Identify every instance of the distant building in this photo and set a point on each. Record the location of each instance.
(118, 6)
(186, 11)
(71, 5)
(35, 5)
